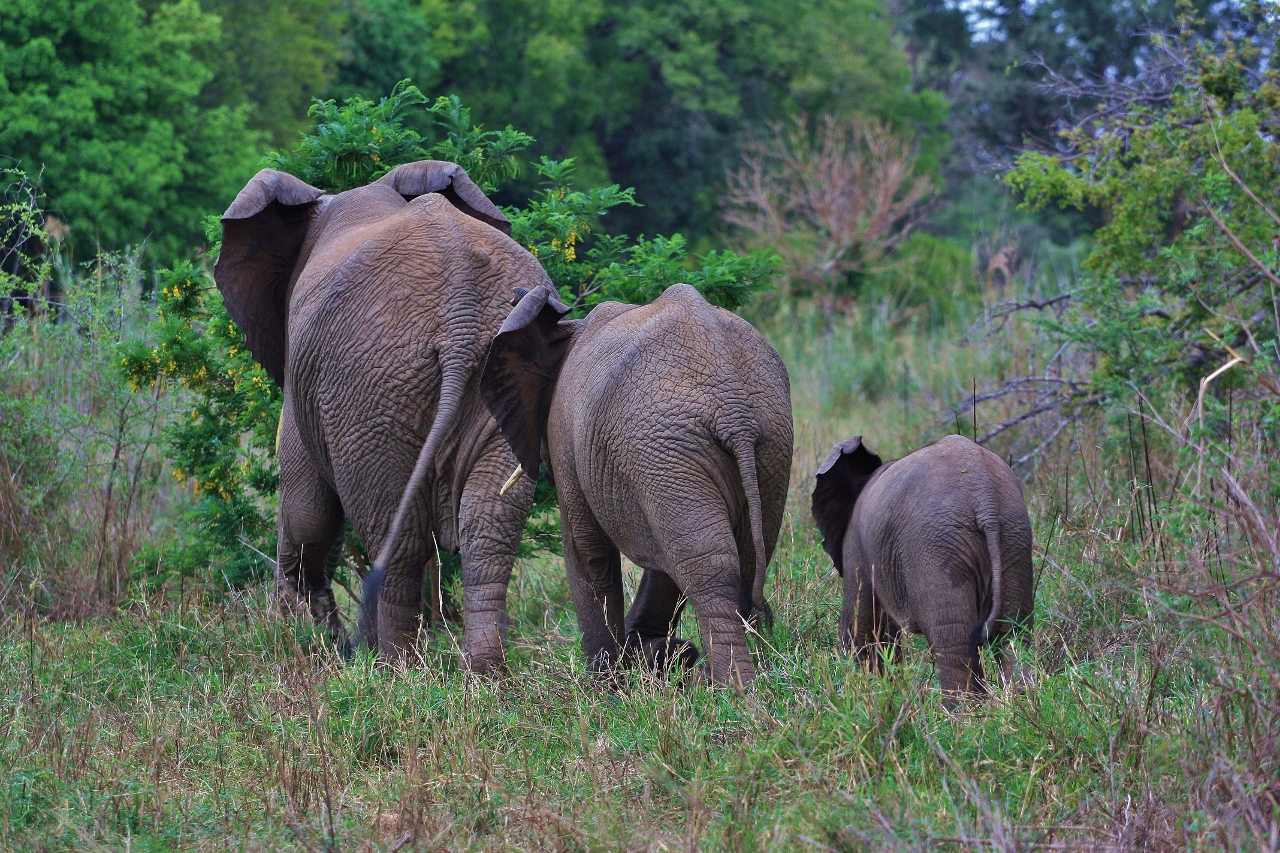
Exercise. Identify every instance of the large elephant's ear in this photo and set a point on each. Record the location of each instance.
(262, 235)
(520, 374)
(840, 479)
(451, 181)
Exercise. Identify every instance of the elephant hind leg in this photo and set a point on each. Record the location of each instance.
(724, 635)
(959, 664)
(490, 524)
(692, 526)
(311, 534)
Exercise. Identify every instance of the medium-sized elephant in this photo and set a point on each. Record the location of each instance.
(667, 432)
(937, 542)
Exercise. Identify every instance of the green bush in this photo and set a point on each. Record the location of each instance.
(929, 276)
(1184, 163)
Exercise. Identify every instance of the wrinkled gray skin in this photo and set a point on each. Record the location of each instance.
(938, 543)
(667, 431)
(374, 309)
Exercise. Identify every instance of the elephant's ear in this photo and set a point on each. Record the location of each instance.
(520, 374)
(840, 479)
(451, 181)
(262, 235)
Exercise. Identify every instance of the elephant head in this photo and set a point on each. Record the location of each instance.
(268, 228)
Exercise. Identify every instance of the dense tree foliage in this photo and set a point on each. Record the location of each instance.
(100, 102)
(659, 95)
(273, 57)
(1182, 284)
(653, 95)
(136, 114)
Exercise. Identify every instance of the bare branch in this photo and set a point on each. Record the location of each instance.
(1003, 310)
(830, 200)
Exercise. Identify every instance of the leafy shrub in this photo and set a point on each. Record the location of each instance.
(928, 276)
(1184, 161)
(361, 141)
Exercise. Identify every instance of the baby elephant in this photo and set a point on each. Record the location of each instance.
(666, 429)
(938, 542)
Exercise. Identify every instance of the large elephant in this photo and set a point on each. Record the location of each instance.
(374, 309)
(667, 431)
(937, 542)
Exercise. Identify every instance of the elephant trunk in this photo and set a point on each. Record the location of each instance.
(452, 385)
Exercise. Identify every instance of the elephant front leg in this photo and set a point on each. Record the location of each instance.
(310, 537)
(489, 526)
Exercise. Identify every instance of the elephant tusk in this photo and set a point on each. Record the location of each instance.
(512, 480)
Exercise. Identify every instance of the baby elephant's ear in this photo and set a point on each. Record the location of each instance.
(840, 479)
(520, 375)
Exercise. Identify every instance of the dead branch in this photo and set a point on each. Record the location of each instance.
(830, 199)
(1002, 311)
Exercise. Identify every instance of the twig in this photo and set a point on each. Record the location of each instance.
(1235, 241)
(1010, 307)
(1221, 160)
(1039, 410)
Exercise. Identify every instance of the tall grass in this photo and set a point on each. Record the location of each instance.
(187, 717)
(82, 484)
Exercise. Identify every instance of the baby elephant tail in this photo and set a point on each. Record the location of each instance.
(983, 633)
(744, 453)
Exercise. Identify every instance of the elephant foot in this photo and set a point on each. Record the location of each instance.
(660, 653)
(737, 676)
(396, 632)
(484, 648)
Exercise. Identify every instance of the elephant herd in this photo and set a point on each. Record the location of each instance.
(427, 364)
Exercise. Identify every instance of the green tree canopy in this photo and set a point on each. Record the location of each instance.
(273, 57)
(659, 95)
(101, 100)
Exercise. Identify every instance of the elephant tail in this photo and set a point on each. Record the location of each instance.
(983, 633)
(453, 382)
(744, 453)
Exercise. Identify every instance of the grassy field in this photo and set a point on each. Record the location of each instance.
(185, 717)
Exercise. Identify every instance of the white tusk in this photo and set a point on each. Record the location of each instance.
(512, 480)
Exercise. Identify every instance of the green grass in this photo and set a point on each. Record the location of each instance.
(189, 718)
